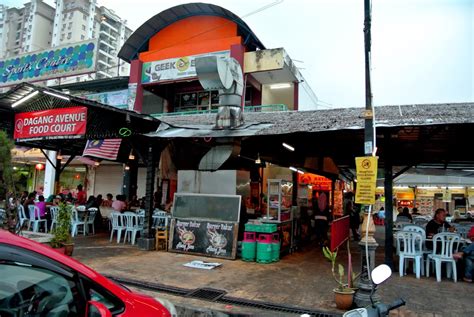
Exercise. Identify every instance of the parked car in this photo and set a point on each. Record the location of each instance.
(36, 280)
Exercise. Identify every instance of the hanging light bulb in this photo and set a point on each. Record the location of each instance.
(127, 167)
(258, 161)
(131, 156)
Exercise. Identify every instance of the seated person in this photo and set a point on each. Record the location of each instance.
(119, 203)
(41, 206)
(108, 202)
(468, 255)
(437, 224)
(415, 212)
(405, 213)
(381, 213)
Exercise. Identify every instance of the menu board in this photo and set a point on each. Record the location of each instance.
(209, 238)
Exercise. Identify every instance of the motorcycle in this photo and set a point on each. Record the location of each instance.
(379, 275)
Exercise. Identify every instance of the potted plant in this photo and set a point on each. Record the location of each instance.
(344, 292)
(62, 232)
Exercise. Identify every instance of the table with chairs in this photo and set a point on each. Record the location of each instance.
(412, 244)
(130, 223)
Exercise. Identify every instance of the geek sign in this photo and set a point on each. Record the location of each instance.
(61, 123)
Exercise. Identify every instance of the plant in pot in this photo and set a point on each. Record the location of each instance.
(344, 292)
(62, 231)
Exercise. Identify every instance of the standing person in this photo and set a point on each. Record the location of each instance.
(321, 218)
(354, 219)
(81, 195)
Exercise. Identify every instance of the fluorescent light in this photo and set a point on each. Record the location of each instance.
(300, 171)
(456, 187)
(57, 95)
(293, 169)
(22, 100)
(468, 170)
(289, 147)
(280, 86)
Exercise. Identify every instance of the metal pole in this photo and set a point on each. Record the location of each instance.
(364, 295)
(369, 114)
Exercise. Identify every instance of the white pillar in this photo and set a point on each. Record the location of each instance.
(49, 175)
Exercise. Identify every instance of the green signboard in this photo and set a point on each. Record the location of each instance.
(60, 61)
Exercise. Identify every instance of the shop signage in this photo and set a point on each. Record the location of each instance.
(317, 182)
(51, 124)
(174, 68)
(209, 238)
(366, 170)
(117, 99)
(60, 61)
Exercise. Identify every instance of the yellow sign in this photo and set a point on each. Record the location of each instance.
(366, 170)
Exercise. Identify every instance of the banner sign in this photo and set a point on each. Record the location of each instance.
(117, 99)
(366, 170)
(209, 238)
(59, 123)
(174, 68)
(60, 61)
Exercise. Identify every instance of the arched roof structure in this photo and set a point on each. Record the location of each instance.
(139, 40)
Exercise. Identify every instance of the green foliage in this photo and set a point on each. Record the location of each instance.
(339, 275)
(62, 231)
(6, 168)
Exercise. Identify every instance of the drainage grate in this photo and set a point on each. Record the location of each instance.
(218, 296)
(210, 294)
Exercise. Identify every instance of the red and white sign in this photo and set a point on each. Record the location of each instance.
(51, 124)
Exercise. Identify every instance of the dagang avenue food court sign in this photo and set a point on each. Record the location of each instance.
(61, 123)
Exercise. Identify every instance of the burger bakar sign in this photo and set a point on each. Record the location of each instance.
(51, 124)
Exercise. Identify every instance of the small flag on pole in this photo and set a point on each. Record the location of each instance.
(107, 148)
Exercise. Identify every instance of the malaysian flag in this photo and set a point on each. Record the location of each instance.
(106, 148)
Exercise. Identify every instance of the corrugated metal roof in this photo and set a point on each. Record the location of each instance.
(286, 122)
(138, 41)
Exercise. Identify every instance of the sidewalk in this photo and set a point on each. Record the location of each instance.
(301, 279)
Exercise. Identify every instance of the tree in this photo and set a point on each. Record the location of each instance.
(6, 168)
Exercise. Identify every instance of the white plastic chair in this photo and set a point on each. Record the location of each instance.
(35, 219)
(131, 226)
(160, 220)
(76, 223)
(411, 248)
(443, 249)
(117, 225)
(54, 216)
(91, 218)
(420, 221)
(22, 216)
(463, 230)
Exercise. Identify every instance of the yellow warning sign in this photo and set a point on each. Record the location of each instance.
(366, 172)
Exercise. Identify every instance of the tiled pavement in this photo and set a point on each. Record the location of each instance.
(300, 279)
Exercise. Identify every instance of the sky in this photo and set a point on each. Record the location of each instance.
(422, 50)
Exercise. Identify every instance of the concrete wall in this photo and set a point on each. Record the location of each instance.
(219, 182)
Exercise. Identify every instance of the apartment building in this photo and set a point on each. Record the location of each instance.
(25, 29)
(37, 26)
(79, 20)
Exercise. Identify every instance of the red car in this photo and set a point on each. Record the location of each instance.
(36, 280)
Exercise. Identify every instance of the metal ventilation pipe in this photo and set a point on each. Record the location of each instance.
(226, 76)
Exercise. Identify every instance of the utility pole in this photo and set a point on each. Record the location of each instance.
(365, 294)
